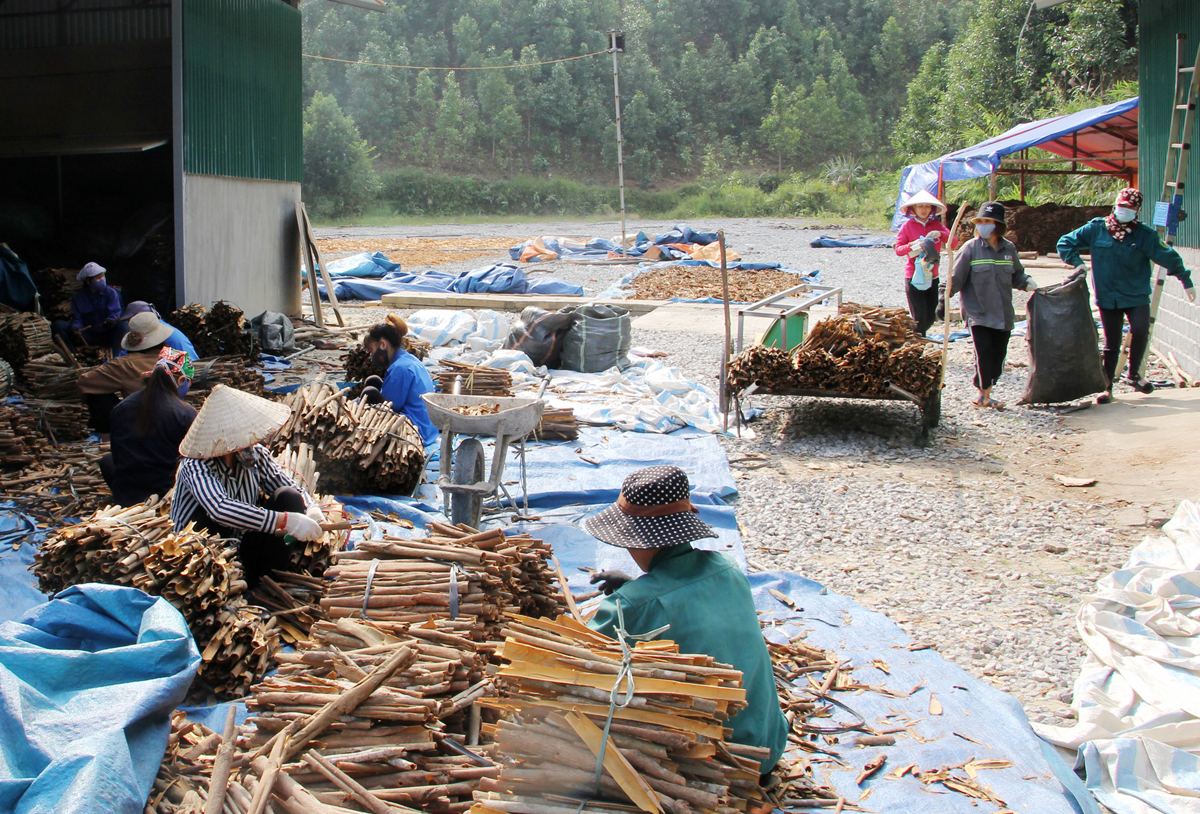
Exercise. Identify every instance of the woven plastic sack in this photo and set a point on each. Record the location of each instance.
(598, 339)
(539, 335)
(274, 332)
(1064, 347)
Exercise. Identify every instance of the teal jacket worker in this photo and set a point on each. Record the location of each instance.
(702, 595)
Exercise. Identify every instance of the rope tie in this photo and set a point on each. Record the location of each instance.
(367, 592)
(615, 701)
(454, 591)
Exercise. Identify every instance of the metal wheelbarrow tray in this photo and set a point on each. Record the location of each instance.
(461, 471)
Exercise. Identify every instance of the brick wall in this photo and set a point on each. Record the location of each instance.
(1178, 327)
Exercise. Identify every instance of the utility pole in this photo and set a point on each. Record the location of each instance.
(616, 45)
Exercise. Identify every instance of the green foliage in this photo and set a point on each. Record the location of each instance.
(339, 171)
(714, 91)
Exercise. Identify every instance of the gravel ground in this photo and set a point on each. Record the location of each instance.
(959, 542)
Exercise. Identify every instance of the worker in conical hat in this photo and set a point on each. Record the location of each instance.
(920, 241)
(226, 471)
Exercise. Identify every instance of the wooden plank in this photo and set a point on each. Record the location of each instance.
(617, 766)
(507, 302)
(316, 248)
(306, 260)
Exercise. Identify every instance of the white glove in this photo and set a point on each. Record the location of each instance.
(1031, 285)
(1190, 293)
(1082, 269)
(315, 514)
(301, 527)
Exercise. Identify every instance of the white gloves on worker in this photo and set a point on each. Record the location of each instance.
(1031, 285)
(315, 514)
(1190, 293)
(301, 526)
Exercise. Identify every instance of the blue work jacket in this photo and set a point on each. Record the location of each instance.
(406, 379)
(706, 600)
(1121, 268)
(89, 308)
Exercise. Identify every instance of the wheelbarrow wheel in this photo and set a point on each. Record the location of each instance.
(468, 469)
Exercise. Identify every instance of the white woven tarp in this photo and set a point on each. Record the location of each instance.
(1138, 692)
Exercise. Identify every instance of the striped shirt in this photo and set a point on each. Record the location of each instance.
(230, 495)
(985, 279)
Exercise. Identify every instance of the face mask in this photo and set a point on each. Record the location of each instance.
(380, 357)
(985, 230)
(184, 387)
(245, 457)
(1124, 213)
(96, 285)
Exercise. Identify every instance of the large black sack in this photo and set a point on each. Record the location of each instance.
(539, 335)
(598, 339)
(1064, 348)
(274, 333)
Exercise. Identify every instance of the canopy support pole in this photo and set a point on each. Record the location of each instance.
(617, 44)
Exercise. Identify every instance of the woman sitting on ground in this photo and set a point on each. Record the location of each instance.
(405, 380)
(104, 386)
(229, 485)
(147, 428)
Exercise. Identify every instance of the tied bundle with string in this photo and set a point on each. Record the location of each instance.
(591, 723)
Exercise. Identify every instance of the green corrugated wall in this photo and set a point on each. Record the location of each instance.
(1158, 23)
(242, 98)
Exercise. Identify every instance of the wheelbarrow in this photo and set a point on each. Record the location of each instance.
(461, 470)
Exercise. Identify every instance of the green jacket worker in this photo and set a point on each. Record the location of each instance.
(1122, 250)
(702, 595)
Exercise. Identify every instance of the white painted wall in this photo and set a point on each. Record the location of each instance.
(240, 244)
(1178, 326)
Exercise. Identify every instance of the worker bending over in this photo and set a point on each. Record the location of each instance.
(405, 380)
(229, 485)
(702, 595)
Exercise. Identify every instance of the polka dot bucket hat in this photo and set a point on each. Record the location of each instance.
(654, 510)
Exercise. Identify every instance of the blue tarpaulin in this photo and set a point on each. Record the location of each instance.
(87, 685)
(16, 285)
(19, 536)
(1110, 149)
(860, 242)
(598, 248)
(499, 278)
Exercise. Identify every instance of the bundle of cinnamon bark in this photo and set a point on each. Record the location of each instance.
(63, 480)
(24, 336)
(858, 352)
(473, 380)
(473, 580)
(358, 448)
(666, 751)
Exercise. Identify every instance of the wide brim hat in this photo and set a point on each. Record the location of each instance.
(993, 210)
(654, 510)
(923, 197)
(145, 331)
(230, 420)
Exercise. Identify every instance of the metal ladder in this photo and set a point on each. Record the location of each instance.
(1168, 211)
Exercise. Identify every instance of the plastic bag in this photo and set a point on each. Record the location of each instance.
(539, 335)
(598, 339)
(1064, 347)
(273, 332)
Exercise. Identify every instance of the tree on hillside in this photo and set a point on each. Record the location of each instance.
(339, 172)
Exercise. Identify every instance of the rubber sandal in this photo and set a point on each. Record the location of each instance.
(1141, 385)
(1104, 398)
(991, 404)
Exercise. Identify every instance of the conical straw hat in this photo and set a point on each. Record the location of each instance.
(230, 420)
(923, 197)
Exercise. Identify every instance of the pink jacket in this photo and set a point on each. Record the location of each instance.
(914, 230)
